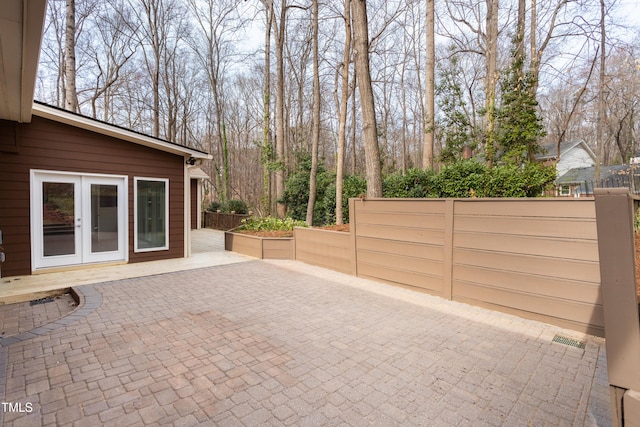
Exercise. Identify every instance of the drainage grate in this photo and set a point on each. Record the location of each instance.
(568, 341)
(41, 301)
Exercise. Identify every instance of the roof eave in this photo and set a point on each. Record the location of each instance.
(21, 25)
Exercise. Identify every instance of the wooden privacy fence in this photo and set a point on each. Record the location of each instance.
(222, 221)
(535, 258)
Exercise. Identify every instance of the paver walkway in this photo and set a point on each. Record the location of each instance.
(283, 343)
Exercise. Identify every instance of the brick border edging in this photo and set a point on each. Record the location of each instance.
(88, 300)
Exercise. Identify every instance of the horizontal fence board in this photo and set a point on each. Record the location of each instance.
(343, 265)
(244, 245)
(585, 292)
(582, 228)
(423, 251)
(403, 234)
(397, 276)
(324, 248)
(277, 248)
(330, 237)
(558, 208)
(524, 301)
(406, 219)
(434, 206)
(586, 250)
(562, 268)
(400, 262)
(533, 315)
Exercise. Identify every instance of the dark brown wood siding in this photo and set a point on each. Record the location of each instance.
(194, 204)
(48, 145)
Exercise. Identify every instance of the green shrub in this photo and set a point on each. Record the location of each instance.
(296, 193)
(460, 178)
(270, 223)
(237, 206)
(214, 206)
(470, 178)
(415, 183)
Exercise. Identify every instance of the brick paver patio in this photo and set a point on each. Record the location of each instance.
(282, 343)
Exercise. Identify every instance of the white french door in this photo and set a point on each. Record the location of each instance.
(77, 219)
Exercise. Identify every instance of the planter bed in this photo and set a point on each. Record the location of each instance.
(325, 248)
(258, 246)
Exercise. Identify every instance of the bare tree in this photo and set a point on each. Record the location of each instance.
(71, 95)
(367, 102)
(156, 33)
(280, 119)
(217, 22)
(491, 52)
(430, 113)
(110, 55)
(267, 147)
(601, 93)
(342, 112)
(315, 137)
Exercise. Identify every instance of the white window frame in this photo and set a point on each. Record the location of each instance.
(136, 248)
(565, 190)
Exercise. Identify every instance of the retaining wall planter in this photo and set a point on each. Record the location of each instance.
(325, 248)
(260, 247)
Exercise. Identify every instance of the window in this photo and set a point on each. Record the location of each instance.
(151, 214)
(565, 190)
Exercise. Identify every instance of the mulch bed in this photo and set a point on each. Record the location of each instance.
(280, 233)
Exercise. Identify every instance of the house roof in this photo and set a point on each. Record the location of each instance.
(63, 116)
(21, 24)
(587, 174)
(550, 150)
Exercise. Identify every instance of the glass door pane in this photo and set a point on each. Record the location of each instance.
(104, 218)
(58, 218)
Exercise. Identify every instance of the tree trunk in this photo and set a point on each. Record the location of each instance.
(342, 121)
(490, 79)
(429, 124)
(71, 96)
(267, 149)
(280, 136)
(367, 102)
(315, 137)
(601, 85)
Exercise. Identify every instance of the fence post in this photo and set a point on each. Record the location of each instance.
(352, 232)
(615, 219)
(447, 265)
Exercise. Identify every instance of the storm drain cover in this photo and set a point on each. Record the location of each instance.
(568, 341)
(41, 301)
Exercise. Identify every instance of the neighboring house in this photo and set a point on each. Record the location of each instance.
(77, 191)
(573, 154)
(579, 182)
